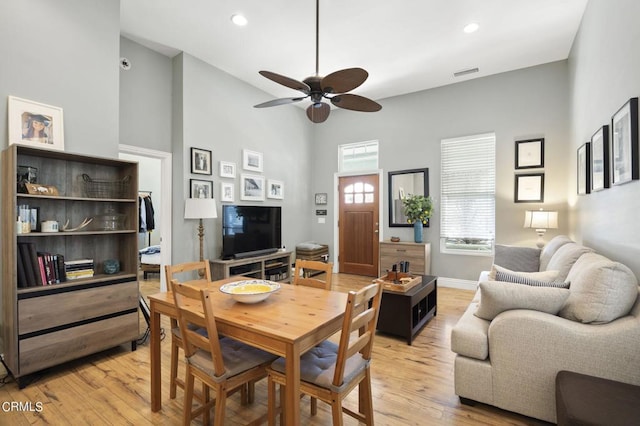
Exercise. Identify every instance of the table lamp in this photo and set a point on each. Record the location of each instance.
(200, 208)
(541, 220)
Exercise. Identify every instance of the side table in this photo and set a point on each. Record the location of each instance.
(404, 314)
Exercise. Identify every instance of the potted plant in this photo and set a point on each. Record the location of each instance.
(417, 209)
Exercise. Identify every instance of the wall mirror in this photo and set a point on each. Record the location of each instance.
(402, 184)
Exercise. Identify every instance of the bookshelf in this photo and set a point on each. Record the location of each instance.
(45, 325)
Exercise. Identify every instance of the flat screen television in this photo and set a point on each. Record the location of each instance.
(250, 230)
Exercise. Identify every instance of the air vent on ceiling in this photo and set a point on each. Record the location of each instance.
(465, 72)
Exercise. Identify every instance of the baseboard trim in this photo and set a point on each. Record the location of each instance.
(457, 283)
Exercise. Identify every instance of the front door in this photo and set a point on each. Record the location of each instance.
(358, 224)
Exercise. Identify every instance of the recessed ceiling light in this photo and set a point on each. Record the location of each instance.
(471, 27)
(239, 20)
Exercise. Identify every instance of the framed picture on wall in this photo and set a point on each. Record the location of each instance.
(200, 161)
(252, 160)
(252, 187)
(584, 169)
(600, 159)
(34, 124)
(226, 192)
(227, 169)
(530, 154)
(275, 189)
(201, 188)
(624, 143)
(529, 188)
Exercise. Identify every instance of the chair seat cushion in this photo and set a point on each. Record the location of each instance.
(318, 365)
(238, 357)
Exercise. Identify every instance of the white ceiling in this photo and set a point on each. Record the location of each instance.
(405, 45)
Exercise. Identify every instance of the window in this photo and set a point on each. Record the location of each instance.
(359, 193)
(467, 216)
(358, 156)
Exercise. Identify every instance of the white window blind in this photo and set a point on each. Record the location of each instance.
(361, 156)
(467, 216)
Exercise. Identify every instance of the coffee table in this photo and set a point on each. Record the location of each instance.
(404, 314)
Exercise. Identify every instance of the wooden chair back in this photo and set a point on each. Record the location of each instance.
(172, 270)
(300, 275)
(195, 311)
(361, 314)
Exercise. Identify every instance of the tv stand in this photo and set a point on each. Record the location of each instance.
(273, 267)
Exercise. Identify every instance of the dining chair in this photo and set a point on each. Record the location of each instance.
(330, 371)
(176, 338)
(302, 274)
(222, 364)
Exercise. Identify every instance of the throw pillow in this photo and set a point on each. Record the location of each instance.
(519, 279)
(523, 259)
(547, 276)
(564, 258)
(601, 290)
(551, 248)
(497, 297)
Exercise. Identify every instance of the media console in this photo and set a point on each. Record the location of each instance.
(273, 267)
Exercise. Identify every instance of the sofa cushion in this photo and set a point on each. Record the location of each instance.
(469, 337)
(564, 258)
(525, 259)
(547, 276)
(497, 297)
(601, 290)
(550, 249)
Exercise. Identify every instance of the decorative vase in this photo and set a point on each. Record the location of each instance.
(417, 231)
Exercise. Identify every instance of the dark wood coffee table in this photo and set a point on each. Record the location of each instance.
(404, 314)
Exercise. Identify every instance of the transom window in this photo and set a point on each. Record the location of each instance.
(361, 156)
(358, 193)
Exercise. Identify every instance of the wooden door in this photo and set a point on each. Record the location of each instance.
(358, 224)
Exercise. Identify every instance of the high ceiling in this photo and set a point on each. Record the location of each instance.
(405, 45)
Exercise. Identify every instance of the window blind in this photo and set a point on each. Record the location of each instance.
(468, 189)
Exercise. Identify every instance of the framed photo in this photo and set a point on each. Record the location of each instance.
(321, 198)
(227, 169)
(201, 188)
(226, 192)
(275, 189)
(600, 159)
(584, 169)
(200, 161)
(35, 124)
(529, 188)
(530, 154)
(624, 143)
(252, 187)
(251, 160)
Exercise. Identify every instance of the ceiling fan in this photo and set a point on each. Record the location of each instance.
(333, 87)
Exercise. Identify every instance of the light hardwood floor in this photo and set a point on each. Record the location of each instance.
(412, 385)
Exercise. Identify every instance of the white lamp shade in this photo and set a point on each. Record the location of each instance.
(200, 208)
(541, 219)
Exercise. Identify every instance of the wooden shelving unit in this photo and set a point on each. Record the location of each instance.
(47, 325)
(418, 255)
(273, 267)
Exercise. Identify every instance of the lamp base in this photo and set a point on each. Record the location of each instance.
(540, 243)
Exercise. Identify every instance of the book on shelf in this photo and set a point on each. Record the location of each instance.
(30, 264)
(22, 277)
(82, 273)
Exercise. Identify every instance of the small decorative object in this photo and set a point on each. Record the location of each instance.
(600, 159)
(39, 189)
(49, 226)
(250, 291)
(227, 169)
(226, 192)
(584, 169)
(417, 209)
(252, 187)
(109, 221)
(99, 188)
(624, 143)
(395, 239)
(84, 224)
(35, 124)
(252, 160)
(321, 198)
(530, 154)
(529, 188)
(26, 174)
(201, 161)
(275, 189)
(111, 266)
(201, 188)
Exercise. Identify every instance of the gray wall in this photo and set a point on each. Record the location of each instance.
(522, 104)
(603, 70)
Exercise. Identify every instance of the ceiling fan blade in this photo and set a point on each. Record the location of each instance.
(286, 81)
(276, 102)
(344, 80)
(356, 103)
(319, 112)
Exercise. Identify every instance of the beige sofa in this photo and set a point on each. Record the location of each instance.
(511, 360)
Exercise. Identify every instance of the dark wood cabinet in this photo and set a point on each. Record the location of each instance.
(404, 314)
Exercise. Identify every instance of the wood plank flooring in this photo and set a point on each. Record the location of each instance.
(412, 385)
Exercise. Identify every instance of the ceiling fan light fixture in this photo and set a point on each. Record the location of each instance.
(471, 27)
(239, 20)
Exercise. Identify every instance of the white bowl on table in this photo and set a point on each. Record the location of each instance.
(250, 291)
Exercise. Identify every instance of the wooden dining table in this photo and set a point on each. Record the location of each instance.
(288, 323)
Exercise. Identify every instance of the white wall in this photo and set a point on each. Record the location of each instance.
(603, 74)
